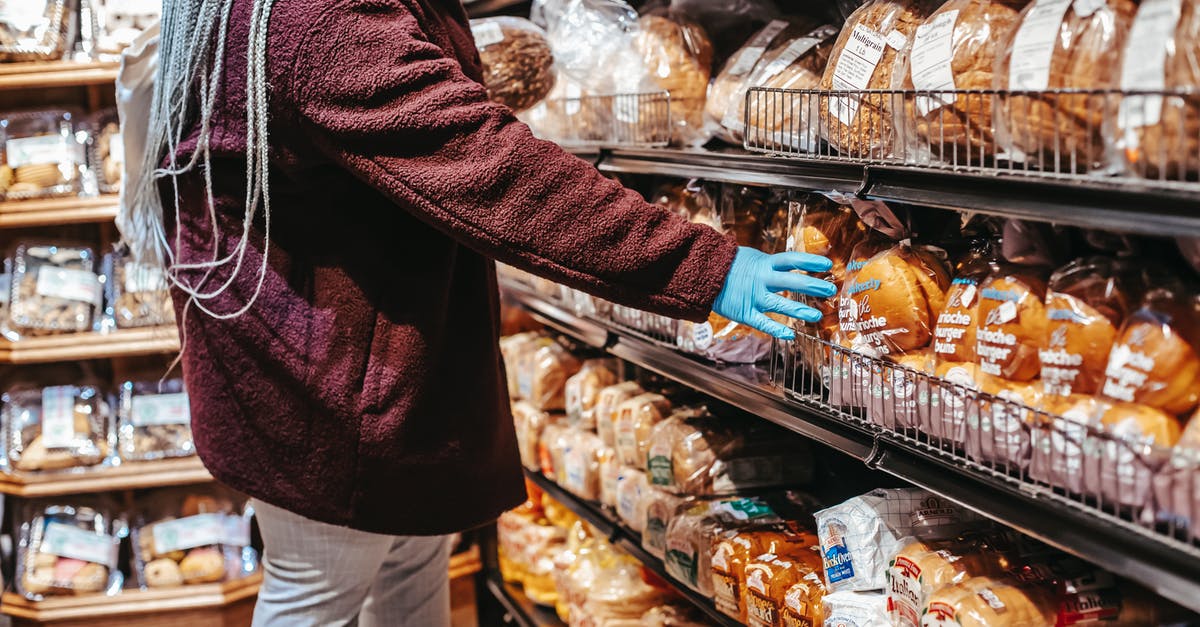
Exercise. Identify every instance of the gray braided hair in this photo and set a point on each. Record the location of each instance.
(190, 65)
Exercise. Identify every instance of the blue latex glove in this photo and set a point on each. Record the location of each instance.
(755, 277)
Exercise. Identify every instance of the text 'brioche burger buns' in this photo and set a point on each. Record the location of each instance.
(1144, 424)
(897, 295)
(1154, 360)
(1086, 302)
(957, 323)
(1012, 324)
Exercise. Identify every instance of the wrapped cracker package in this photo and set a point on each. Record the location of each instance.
(54, 289)
(42, 156)
(154, 420)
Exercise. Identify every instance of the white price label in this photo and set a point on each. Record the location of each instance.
(702, 335)
(140, 277)
(896, 40)
(58, 416)
(68, 284)
(71, 542)
(486, 34)
(189, 533)
(160, 409)
(794, 51)
(38, 150)
(116, 148)
(745, 60)
(931, 56)
(1144, 66)
(1033, 45)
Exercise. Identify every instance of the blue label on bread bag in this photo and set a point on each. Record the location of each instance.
(839, 565)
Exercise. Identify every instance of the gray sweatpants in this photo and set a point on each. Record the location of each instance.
(323, 575)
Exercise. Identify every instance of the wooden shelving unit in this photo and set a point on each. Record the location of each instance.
(127, 476)
(55, 211)
(465, 564)
(81, 346)
(215, 604)
(45, 74)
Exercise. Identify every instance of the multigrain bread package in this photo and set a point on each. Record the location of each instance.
(779, 120)
(583, 391)
(1160, 136)
(678, 58)
(1060, 44)
(955, 48)
(518, 66)
(864, 57)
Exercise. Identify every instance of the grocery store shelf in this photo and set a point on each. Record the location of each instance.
(484, 8)
(80, 346)
(55, 211)
(44, 74)
(134, 606)
(127, 476)
(630, 542)
(518, 608)
(1169, 567)
(1094, 203)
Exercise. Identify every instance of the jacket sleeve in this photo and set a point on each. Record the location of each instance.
(400, 113)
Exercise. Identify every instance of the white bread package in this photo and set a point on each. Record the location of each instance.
(855, 609)
(608, 404)
(860, 535)
(660, 507)
(583, 391)
(694, 531)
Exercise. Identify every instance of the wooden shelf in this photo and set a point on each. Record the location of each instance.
(465, 564)
(45, 74)
(80, 346)
(127, 476)
(54, 211)
(174, 606)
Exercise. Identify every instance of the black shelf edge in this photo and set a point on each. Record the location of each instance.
(523, 612)
(1090, 203)
(485, 8)
(630, 542)
(1132, 552)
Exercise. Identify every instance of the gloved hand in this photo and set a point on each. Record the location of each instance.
(755, 277)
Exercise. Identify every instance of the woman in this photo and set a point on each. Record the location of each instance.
(336, 188)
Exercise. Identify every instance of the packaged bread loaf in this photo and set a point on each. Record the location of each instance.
(41, 155)
(732, 551)
(581, 464)
(632, 488)
(607, 410)
(987, 601)
(35, 30)
(193, 535)
(678, 57)
(821, 227)
(1120, 463)
(1060, 44)
(1154, 360)
(860, 535)
(56, 427)
(512, 348)
(1161, 134)
(694, 530)
(635, 418)
(137, 293)
(781, 120)
(529, 422)
(583, 391)
(864, 57)
(543, 370)
(770, 575)
(54, 289)
(518, 66)
(955, 48)
(922, 567)
(154, 420)
(895, 298)
(552, 444)
(68, 548)
(660, 506)
(803, 602)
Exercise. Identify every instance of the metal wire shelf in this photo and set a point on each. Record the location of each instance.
(1143, 136)
(591, 121)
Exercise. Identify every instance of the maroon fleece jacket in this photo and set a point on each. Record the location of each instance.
(364, 387)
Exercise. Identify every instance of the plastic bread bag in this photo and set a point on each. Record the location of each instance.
(803, 602)
(583, 391)
(954, 49)
(1060, 44)
(512, 348)
(619, 595)
(193, 535)
(733, 550)
(68, 547)
(769, 576)
(1155, 359)
(552, 444)
(635, 418)
(919, 568)
(106, 150)
(154, 420)
(35, 30)
(674, 615)
(528, 422)
(1012, 323)
(981, 601)
(861, 534)
(632, 488)
(607, 410)
(518, 66)
(1120, 463)
(678, 57)
(543, 373)
(581, 465)
(1177, 484)
(1160, 135)
(660, 506)
(587, 37)
(54, 289)
(693, 531)
(41, 155)
(136, 294)
(864, 57)
(851, 372)
(855, 609)
(56, 427)
(778, 121)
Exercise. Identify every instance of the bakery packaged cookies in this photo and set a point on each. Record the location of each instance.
(193, 535)
(57, 427)
(1160, 134)
(106, 150)
(583, 391)
(136, 294)
(518, 66)
(54, 289)
(677, 56)
(952, 53)
(1060, 45)
(864, 58)
(68, 547)
(41, 155)
(154, 420)
(779, 120)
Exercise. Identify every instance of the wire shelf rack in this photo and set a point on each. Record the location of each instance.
(636, 120)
